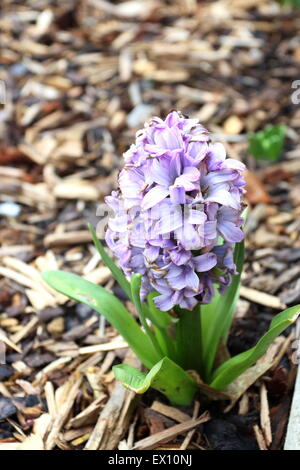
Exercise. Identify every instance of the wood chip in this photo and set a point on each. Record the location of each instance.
(50, 398)
(244, 404)
(167, 435)
(76, 189)
(67, 238)
(87, 415)
(9, 342)
(28, 328)
(116, 344)
(259, 437)
(114, 418)
(265, 422)
(191, 433)
(32, 442)
(63, 411)
(262, 298)
(170, 412)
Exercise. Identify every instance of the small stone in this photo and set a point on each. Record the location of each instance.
(233, 125)
(48, 313)
(83, 311)
(18, 70)
(56, 326)
(6, 372)
(10, 209)
(7, 408)
(39, 360)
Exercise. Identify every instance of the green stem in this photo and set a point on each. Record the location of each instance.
(188, 339)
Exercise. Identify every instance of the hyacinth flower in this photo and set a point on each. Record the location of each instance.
(175, 229)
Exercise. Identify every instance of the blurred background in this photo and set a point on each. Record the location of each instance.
(77, 79)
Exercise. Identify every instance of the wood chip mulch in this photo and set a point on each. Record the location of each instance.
(80, 78)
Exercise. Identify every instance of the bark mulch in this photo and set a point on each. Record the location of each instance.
(80, 78)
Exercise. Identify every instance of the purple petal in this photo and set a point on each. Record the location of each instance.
(230, 232)
(170, 220)
(151, 253)
(154, 196)
(179, 256)
(233, 164)
(205, 262)
(210, 229)
(188, 178)
(188, 303)
(166, 302)
(168, 138)
(196, 152)
(224, 197)
(217, 156)
(216, 177)
(119, 224)
(192, 280)
(159, 172)
(189, 237)
(177, 194)
(175, 166)
(172, 119)
(195, 216)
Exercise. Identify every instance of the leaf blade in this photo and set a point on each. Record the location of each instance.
(267, 144)
(109, 306)
(165, 376)
(235, 366)
(217, 316)
(116, 272)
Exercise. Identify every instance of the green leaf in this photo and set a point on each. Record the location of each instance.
(235, 366)
(162, 324)
(107, 305)
(136, 280)
(268, 143)
(116, 272)
(216, 317)
(166, 377)
(292, 3)
(233, 293)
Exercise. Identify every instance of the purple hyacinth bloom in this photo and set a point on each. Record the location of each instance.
(178, 197)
